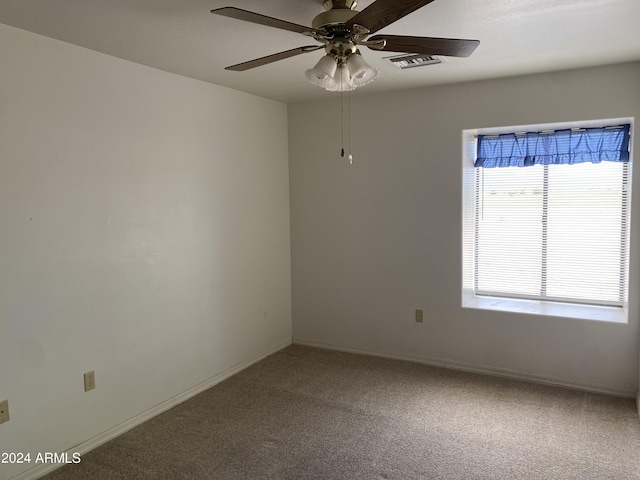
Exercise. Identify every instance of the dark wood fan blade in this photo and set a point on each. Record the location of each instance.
(384, 12)
(241, 67)
(448, 47)
(252, 17)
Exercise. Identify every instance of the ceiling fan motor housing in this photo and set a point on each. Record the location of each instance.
(335, 16)
(333, 21)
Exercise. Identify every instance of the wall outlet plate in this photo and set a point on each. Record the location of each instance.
(89, 381)
(419, 316)
(4, 411)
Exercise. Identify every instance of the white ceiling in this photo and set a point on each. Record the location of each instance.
(181, 36)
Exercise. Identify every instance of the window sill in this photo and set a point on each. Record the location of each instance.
(552, 309)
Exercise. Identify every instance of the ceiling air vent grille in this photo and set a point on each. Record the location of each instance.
(414, 60)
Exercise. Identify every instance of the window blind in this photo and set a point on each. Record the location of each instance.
(553, 231)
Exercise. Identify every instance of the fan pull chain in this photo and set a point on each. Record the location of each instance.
(349, 156)
(349, 138)
(341, 118)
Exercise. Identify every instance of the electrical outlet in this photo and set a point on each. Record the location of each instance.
(419, 316)
(89, 381)
(4, 411)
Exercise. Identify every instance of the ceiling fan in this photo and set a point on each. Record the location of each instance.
(341, 30)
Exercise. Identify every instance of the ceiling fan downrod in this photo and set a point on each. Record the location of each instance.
(348, 4)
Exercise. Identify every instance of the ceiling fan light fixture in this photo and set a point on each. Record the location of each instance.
(342, 81)
(323, 73)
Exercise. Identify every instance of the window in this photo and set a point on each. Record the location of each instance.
(547, 221)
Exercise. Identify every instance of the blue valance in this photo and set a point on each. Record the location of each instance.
(556, 147)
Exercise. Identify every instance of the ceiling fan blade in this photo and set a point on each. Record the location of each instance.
(448, 47)
(241, 67)
(384, 12)
(248, 16)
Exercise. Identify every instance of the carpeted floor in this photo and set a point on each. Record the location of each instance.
(307, 413)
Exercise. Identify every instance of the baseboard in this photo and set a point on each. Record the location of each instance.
(481, 369)
(98, 440)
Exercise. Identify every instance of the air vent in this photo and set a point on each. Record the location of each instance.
(414, 60)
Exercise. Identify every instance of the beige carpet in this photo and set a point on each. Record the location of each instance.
(306, 413)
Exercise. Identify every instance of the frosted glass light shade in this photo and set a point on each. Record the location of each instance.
(357, 65)
(361, 72)
(342, 82)
(322, 74)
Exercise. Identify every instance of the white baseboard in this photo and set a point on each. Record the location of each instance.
(481, 369)
(98, 440)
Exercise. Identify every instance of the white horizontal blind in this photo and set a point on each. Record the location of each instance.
(552, 232)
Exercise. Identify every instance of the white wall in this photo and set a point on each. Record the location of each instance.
(145, 235)
(374, 241)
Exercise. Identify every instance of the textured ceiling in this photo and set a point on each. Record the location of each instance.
(181, 36)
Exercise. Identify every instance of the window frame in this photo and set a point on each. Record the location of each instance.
(519, 304)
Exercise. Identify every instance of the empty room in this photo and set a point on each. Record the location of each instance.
(307, 239)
